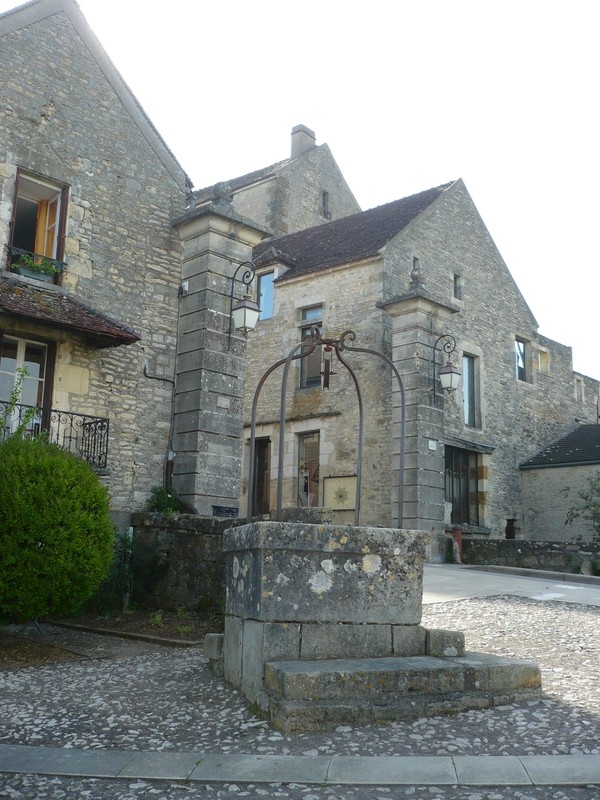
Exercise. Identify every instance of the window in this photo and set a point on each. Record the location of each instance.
(310, 365)
(325, 205)
(462, 485)
(265, 292)
(458, 287)
(470, 390)
(35, 391)
(578, 386)
(38, 218)
(520, 360)
(308, 469)
(542, 358)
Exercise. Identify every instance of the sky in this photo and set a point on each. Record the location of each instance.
(408, 95)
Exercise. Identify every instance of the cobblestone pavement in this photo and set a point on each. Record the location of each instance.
(167, 701)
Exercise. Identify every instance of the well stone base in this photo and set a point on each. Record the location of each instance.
(318, 695)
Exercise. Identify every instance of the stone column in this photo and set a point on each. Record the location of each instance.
(417, 320)
(209, 388)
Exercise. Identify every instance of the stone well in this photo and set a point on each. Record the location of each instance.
(323, 626)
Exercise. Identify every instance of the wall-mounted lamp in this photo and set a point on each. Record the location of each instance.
(448, 374)
(244, 315)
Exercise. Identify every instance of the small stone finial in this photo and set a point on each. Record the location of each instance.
(416, 275)
(222, 194)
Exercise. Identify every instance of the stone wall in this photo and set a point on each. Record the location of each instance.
(516, 418)
(178, 561)
(68, 123)
(348, 297)
(292, 198)
(555, 556)
(546, 502)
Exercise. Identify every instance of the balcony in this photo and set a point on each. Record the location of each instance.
(33, 265)
(85, 436)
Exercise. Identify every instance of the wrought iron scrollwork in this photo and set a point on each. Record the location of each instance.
(302, 350)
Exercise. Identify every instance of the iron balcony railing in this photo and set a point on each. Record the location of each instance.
(80, 434)
(20, 260)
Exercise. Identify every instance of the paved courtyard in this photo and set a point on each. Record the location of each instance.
(160, 721)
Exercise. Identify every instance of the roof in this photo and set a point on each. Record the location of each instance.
(55, 309)
(235, 184)
(30, 13)
(348, 239)
(581, 446)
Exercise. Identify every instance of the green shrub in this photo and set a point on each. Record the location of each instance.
(163, 501)
(56, 535)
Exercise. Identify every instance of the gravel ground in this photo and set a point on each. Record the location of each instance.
(173, 703)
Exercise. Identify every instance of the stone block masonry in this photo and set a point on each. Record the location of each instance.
(324, 573)
(322, 627)
(66, 119)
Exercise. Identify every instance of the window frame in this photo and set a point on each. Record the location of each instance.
(309, 376)
(43, 420)
(521, 351)
(50, 193)
(471, 390)
(260, 278)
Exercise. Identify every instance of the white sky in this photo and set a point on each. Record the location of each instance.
(408, 95)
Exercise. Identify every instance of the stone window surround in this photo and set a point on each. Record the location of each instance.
(522, 351)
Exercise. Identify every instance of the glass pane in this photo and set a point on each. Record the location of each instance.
(32, 392)
(6, 385)
(35, 360)
(8, 357)
(265, 295)
(316, 312)
(310, 365)
(308, 469)
(468, 387)
(520, 360)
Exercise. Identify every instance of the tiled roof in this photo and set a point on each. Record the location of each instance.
(57, 310)
(582, 446)
(202, 195)
(348, 239)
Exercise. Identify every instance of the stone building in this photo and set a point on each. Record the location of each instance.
(551, 480)
(299, 192)
(87, 183)
(130, 352)
(401, 276)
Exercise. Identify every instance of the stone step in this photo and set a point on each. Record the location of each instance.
(305, 695)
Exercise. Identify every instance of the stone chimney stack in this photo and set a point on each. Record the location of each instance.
(303, 140)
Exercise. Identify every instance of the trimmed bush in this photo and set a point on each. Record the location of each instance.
(56, 534)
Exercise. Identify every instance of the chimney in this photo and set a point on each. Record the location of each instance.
(303, 140)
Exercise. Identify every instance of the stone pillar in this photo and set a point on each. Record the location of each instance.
(209, 388)
(417, 320)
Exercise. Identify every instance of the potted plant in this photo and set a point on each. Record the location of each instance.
(33, 266)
